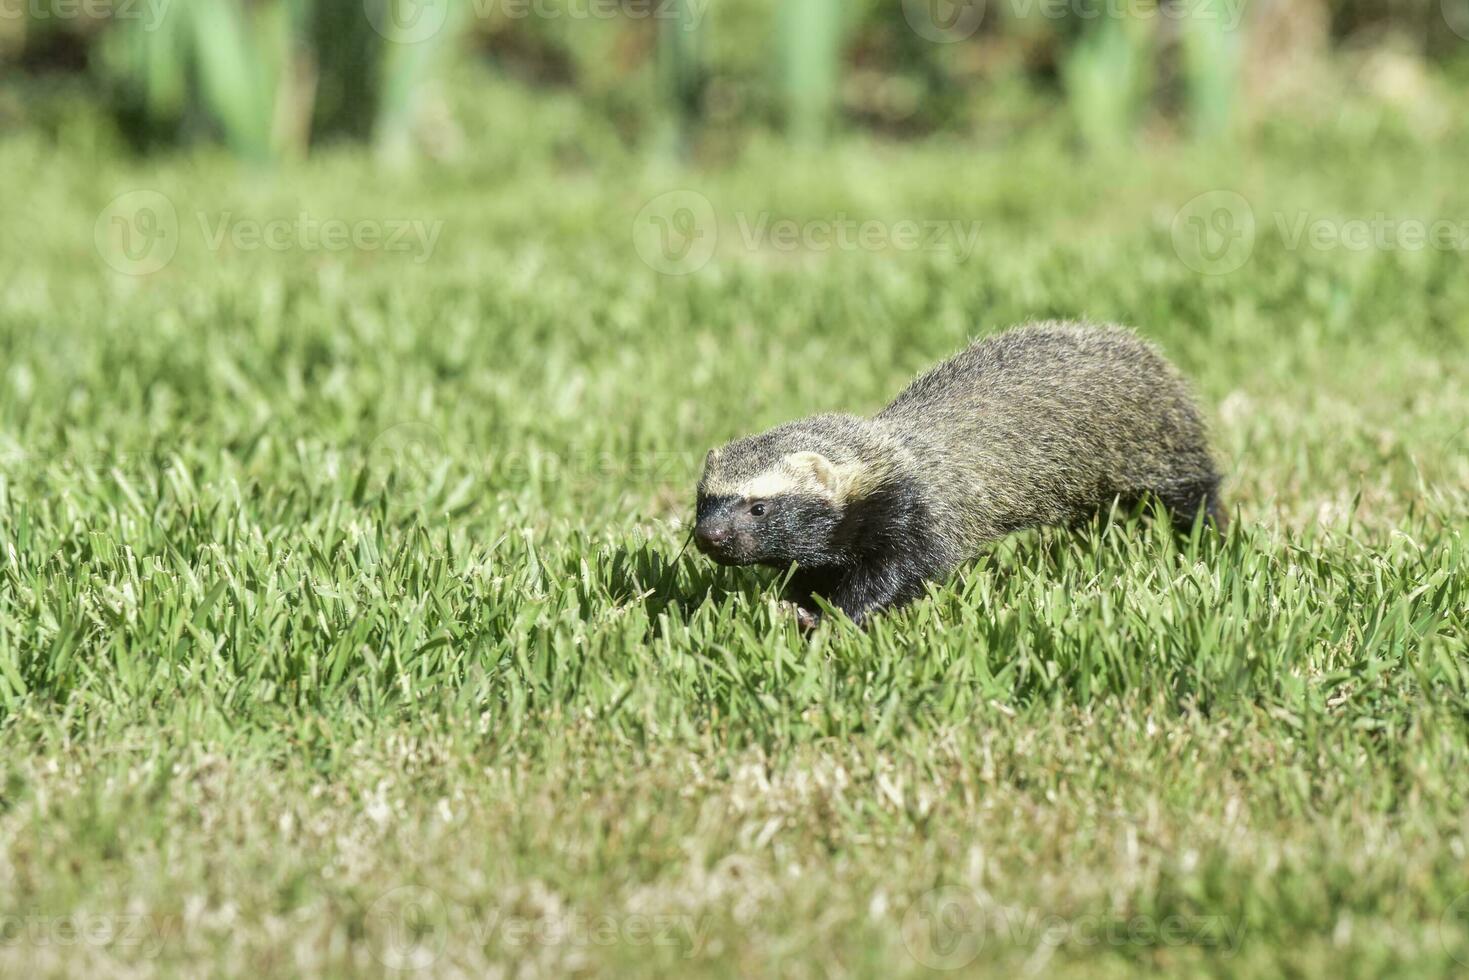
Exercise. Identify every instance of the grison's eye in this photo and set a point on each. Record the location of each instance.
(757, 510)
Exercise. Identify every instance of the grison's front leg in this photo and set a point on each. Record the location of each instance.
(804, 587)
(873, 588)
(860, 591)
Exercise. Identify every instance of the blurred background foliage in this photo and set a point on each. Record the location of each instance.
(277, 78)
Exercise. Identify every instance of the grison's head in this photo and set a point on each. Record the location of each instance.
(777, 498)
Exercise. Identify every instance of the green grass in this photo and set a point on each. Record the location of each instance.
(344, 622)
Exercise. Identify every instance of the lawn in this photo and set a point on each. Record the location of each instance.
(346, 624)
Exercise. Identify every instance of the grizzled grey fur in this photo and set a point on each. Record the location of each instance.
(1042, 425)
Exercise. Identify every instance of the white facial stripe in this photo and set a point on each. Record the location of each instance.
(771, 483)
(799, 473)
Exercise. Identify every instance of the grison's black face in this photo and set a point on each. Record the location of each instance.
(775, 530)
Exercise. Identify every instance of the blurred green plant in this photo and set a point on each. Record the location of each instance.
(811, 63)
(399, 75)
(1106, 76)
(269, 77)
(680, 64)
(1212, 45)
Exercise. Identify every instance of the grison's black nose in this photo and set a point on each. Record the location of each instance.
(708, 536)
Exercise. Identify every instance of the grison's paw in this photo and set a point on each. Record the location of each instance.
(807, 619)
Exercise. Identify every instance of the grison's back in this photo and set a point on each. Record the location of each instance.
(1046, 423)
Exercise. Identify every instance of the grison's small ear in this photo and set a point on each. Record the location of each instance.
(813, 465)
(837, 481)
